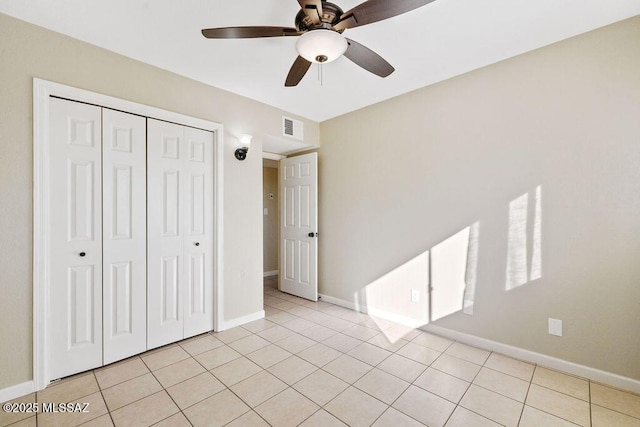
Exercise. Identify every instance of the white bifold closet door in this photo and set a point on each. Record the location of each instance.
(98, 241)
(124, 238)
(75, 200)
(179, 232)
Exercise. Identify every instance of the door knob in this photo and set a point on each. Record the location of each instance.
(312, 234)
(83, 253)
(197, 243)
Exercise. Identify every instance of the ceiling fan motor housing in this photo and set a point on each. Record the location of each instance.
(330, 16)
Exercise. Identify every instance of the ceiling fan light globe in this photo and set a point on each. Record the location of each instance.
(321, 44)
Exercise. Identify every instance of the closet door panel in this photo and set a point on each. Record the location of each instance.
(198, 232)
(76, 237)
(166, 185)
(124, 234)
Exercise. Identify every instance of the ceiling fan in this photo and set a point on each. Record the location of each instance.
(320, 25)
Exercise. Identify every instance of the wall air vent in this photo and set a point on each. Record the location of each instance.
(292, 128)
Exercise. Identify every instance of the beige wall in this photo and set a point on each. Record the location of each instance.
(270, 221)
(27, 51)
(398, 178)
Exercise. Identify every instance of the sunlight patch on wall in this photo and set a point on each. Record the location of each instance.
(517, 242)
(444, 278)
(448, 275)
(536, 259)
(389, 296)
(524, 244)
(471, 274)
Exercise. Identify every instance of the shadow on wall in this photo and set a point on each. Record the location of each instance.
(442, 281)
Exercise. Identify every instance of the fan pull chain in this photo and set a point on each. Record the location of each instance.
(320, 72)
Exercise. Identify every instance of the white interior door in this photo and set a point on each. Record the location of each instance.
(198, 218)
(165, 230)
(124, 238)
(299, 226)
(76, 237)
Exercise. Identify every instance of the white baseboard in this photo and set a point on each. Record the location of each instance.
(396, 318)
(270, 273)
(393, 317)
(16, 391)
(342, 303)
(228, 324)
(583, 371)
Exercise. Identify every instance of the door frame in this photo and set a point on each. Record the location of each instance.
(275, 157)
(43, 90)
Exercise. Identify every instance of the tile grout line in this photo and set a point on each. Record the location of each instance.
(231, 391)
(83, 374)
(320, 408)
(239, 416)
(617, 412)
(549, 413)
(590, 406)
(526, 396)
(201, 400)
(465, 392)
(560, 392)
(165, 390)
(261, 403)
(468, 387)
(122, 382)
(400, 395)
(172, 415)
(103, 399)
(348, 384)
(365, 392)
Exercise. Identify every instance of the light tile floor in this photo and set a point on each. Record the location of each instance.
(317, 364)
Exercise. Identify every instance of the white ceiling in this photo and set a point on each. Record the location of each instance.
(438, 41)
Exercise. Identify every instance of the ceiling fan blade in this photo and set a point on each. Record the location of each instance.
(368, 59)
(248, 32)
(297, 71)
(346, 21)
(376, 10)
(313, 9)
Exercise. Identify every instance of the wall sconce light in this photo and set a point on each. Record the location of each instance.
(245, 140)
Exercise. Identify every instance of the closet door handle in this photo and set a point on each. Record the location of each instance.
(197, 243)
(82, 253)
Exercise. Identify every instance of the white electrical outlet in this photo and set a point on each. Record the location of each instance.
(555, 327)
(415, 295)
(266, 211)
